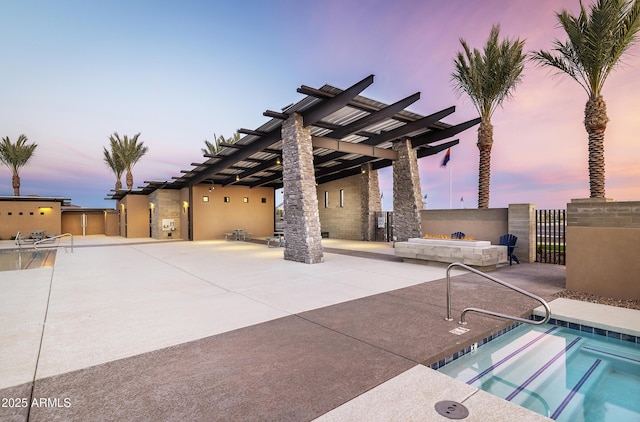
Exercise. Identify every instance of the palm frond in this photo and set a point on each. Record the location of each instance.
(597, 40)
(490, 76)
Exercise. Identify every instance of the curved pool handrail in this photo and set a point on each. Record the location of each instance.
(484, 311)
(52, 238)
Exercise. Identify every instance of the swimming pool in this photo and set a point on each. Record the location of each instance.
(25, 259)
(559, 372)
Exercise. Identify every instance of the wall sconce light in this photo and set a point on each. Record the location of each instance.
(364, 171)
(237, 178)
(245, 200)
(185, 204)
(212, 187)
(278, 161)
(205, 198)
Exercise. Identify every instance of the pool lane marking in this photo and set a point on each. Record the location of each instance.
(575, 389)
(612, 354)
(542, 369)
(511, 355)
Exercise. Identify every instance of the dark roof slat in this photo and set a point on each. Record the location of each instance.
(375, 117)
(326, 107)
(431, 137)
(401, 131)
(425, 152)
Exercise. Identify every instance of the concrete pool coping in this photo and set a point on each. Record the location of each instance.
(193, 330)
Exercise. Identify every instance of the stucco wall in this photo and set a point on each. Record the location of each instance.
(25, 216)
(603, 246)
(481, 224)
(212, 219)
(137, 216)
(341, 222)
(72, 222)
(604, 261)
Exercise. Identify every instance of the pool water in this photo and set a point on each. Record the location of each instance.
(26, 259)
(561, 373)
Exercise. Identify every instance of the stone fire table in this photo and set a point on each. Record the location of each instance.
(480, 254)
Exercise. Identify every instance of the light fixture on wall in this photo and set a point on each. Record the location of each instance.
(212, 187)
(205, 198)
(364, 171)
(237, 178)
(278, 161)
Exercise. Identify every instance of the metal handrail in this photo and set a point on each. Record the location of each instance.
(484, 311)
(50, 239)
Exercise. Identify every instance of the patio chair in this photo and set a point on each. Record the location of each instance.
(509, 241)
(458, 235)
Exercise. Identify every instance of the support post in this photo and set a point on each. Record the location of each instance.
(301, 216)
(407, 193)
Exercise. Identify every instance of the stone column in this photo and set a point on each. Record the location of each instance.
(522, 223)
(166, 205)
(301, 216)
(370, 191)
(407, 194)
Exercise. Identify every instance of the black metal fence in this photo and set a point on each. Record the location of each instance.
(551, 229)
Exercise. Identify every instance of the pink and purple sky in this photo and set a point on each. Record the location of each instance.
(74, 72)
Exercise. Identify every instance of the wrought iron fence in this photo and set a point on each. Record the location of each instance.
(551, 229)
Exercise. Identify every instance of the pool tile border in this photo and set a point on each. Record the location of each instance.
(553, 321)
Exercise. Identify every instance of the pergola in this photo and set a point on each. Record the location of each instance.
(329, 135)
(347, 129)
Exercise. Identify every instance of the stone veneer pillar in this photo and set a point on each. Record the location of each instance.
(407, 194)
(301, 216)
(370, 191)
(166, 205)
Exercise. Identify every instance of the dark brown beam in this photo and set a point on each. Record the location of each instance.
(401, 131)
(326, 107)
(228, 145)
(253, 132)
(375, 117)
(258, 145)
(317, 93)
(275, 115)
(425, 152)
(248, 172)
(435, 136)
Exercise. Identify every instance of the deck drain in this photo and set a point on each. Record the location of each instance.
(451, 409)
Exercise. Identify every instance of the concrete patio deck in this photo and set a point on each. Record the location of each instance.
(146, 330)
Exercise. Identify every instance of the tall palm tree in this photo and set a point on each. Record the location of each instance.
(488, 77)
(15, 156)
(596, 43)
(129, 152)
(113, 161)
(212, 148)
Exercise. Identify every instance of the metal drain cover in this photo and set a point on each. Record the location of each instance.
(451, 409)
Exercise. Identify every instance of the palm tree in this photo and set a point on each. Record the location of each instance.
(15, 156)
(488, 78)
(596, 43)
(129, 152)
(113, 161)
(212, 148)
